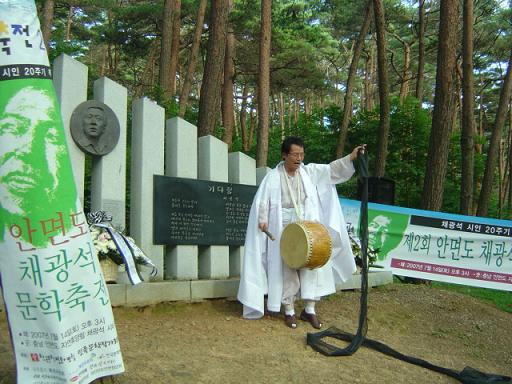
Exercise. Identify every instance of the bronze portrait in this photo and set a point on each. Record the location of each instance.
(94, 128)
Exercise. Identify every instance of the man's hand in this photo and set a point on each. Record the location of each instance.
(263, 226)
(355, 151)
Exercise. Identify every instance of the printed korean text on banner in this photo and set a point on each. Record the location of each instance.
(58, 307)
(437, 246)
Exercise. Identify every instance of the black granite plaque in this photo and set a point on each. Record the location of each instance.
(199, 212)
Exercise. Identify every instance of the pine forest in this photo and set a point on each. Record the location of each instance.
(425, 84)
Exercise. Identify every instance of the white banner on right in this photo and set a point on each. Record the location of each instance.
(438, 246)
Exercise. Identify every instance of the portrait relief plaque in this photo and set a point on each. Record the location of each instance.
(200, 212)
(94, 128)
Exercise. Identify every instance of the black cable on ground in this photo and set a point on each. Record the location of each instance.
(467, 376)
(314, 339)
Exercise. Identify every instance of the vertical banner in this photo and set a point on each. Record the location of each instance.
(58, 307)
(439, 246)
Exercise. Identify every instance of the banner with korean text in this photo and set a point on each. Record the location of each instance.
(57, 303)
(437, 246)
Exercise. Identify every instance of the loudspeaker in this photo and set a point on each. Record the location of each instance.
(380, 190)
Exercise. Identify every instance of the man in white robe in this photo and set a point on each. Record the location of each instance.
(291, 192)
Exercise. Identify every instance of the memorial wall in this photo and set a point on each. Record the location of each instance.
(200, 212)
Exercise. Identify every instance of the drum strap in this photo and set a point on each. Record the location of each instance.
(296, 202)
(468, 375)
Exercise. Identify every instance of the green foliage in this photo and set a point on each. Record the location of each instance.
(344, 17)
(73, 30)
(451, 194)
(319, 139)
(170, 105)
(493, 33)
(301, 46)
(312, 44)
(407, 146)
(500, 299)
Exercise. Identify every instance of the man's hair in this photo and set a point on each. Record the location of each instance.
(96, 107)
(289, 141)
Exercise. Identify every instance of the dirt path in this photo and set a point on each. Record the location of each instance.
(208, 342)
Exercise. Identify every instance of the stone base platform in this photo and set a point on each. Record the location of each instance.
(195, 290)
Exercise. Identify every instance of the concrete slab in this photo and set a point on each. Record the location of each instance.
(157, 292)
(117, 293)
(190, 290)
(211, 289)
(375, 278)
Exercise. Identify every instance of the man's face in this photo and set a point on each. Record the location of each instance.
(293, 158)
(94, 122)
(378, 231)
(29, 150)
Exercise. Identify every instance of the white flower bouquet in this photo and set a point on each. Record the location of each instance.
(105, 246)
(356, 250)
(113, 247)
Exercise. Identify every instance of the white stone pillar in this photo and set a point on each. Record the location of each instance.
(70, 81)
(181, 261)
(108, 176)
(261, 172)
(213, 165)
(147, 159)
(242, 170)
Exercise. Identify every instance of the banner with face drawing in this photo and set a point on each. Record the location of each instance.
(439, 246)
(57, 303)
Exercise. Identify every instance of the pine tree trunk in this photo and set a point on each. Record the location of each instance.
(212, 79)
(366, 83)
(502, 178)
(290, 114)
(252, 126)
(307, 105)
(441, 120)
(103, 66)
(372, 100)
(482, 127)
(165, 48)
(236, 118)
(421, 51)
(175, 47)
(69, 23)
(264, 84)
(46, 28)
(281, 114)
(192, 61)
(481, 117)
(492, 153)
(227, 89)
(468, 106)
(405, 77)
(295, 113)
(509, 163)
(347, 106)
(382, 141)
(273, 109)
(146, 78)
(243, 119)
(112, 56)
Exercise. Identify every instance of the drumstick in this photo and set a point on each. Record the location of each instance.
(271, 237)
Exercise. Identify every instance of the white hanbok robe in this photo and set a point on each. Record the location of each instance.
(262, 265)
